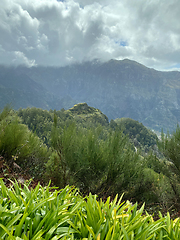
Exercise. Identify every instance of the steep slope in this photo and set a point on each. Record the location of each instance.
(20, 90)
(118, 88)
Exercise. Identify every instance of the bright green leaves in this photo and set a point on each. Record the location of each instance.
(37, 213)
(44, 213)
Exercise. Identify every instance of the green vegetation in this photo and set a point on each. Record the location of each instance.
(18, 145)
(79, 147)
(93, 160)
(140, 135)
(41, 121)
(41, 213)
(82, 113)
(170, 147)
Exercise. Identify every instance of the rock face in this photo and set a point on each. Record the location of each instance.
(118, 88)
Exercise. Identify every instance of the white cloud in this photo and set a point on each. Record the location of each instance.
(50, 32)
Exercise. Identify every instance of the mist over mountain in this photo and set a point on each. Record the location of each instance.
(119, 89)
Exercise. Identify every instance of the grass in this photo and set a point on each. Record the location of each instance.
(48, 213)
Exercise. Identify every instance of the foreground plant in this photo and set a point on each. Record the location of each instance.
(48, 213)
(36, 213)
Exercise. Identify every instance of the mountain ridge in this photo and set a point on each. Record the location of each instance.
(119, 88)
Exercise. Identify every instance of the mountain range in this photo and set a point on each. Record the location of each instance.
(119, 88)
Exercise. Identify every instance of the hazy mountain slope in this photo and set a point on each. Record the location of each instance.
(19, 89)
(118, 88)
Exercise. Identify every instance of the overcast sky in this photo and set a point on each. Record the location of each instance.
(56, 33)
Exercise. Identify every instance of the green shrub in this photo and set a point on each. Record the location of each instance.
(18, 144)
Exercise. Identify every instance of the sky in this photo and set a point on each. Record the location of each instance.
(58, 33)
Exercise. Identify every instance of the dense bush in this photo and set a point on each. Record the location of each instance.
(170, 147)
(19, 145)
(39, 121)
(93, 160)
(79, 155)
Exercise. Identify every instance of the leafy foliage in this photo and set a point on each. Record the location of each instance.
(41, 213)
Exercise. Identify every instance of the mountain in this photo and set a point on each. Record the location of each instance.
(20, 90)
(118, 88)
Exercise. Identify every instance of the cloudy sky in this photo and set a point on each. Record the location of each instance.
(57, 33)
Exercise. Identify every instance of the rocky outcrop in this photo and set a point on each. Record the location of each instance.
(83, 113)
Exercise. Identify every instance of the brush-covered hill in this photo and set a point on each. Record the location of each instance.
(84, 114)
(41, 122)
(137, 132)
